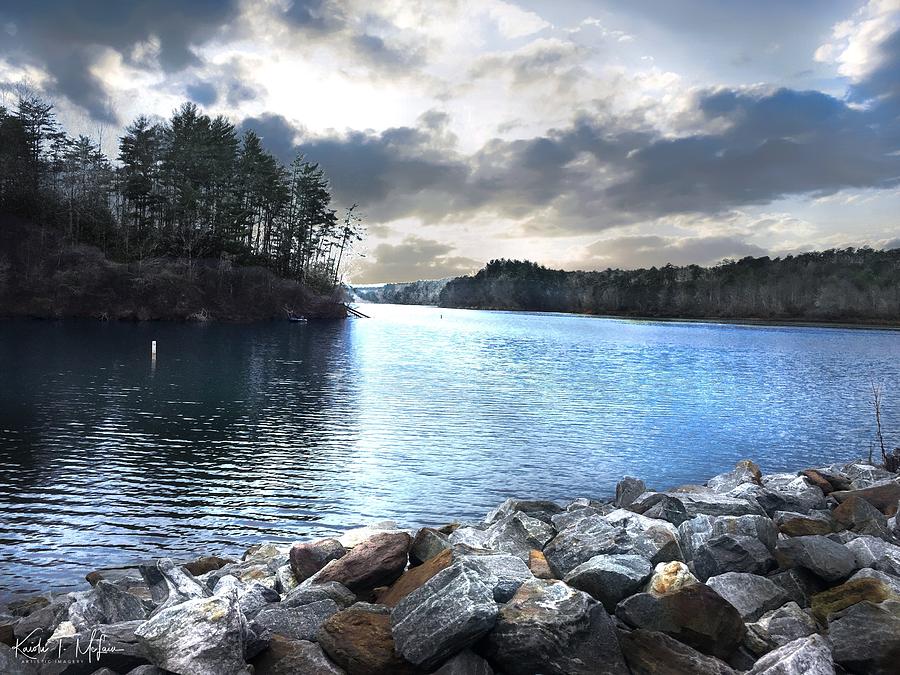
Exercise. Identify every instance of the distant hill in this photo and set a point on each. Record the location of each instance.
(846, 285)
(412, 293)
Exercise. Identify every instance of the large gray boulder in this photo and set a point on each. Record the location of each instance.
(589, 537)
(778, 627)
(652, 538)
(202, 636)
(518, 533)
(448, 613)
(468, 536)
(40, 624)
(800, 584)
(85, 612)
(118, 605)
(294, 623)
(330, 590)
(503, 573)
(610, 578)
(536, 508)
(809, 655)
(866, 637)
(553, 629)
(252, 597)
(825, 558)
(571, 516)
(751, 594)
(694, 614)
(627, 490)
(699, 503)
(694, 533)
(745, 472)
(732, 553)
(619, 532)
(793, 493)
(170, 585)
(652, 653)
(874, 552)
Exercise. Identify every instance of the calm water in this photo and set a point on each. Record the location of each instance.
(280, 431)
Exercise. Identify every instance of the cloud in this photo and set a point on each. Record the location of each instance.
(655, 251)
(854, 43)
(278, 135)
(67, 39)
(203, 93)
(413, 259)
(599, 173)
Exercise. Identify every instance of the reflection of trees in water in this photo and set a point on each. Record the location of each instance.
(84, 394)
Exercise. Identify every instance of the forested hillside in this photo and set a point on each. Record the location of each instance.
(185, 195)
(409, 293)
(847, 285)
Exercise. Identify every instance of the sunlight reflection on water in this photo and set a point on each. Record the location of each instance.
(280, 431)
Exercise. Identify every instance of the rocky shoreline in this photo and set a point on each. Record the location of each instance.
(776, 574)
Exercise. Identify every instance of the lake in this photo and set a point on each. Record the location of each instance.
(280, 431)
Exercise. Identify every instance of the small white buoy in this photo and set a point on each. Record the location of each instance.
(153, 349)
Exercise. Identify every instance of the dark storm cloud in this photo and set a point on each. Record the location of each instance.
(278, 135)
(66, 38)
(592, 175)
(784, 143)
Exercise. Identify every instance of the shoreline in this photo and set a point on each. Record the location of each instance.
(740, 321)
(748, 571)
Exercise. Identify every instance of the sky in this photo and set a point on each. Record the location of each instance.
(582, 134)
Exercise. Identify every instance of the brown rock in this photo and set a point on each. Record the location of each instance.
(801, 526)
(847, 594)
(448, 529)
(858, 515)
(309, 557)
(359, 640)
(206, 563)
(413, 578)
(883, 497)
(818, 480)
(694, 614)
(538, 565)
(752, 467)
(289, 657)
(378, 561)
(653, 653)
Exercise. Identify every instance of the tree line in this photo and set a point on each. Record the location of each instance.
(852, 284)
(188, 187)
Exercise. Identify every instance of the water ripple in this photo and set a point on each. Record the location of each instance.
(279, 431)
